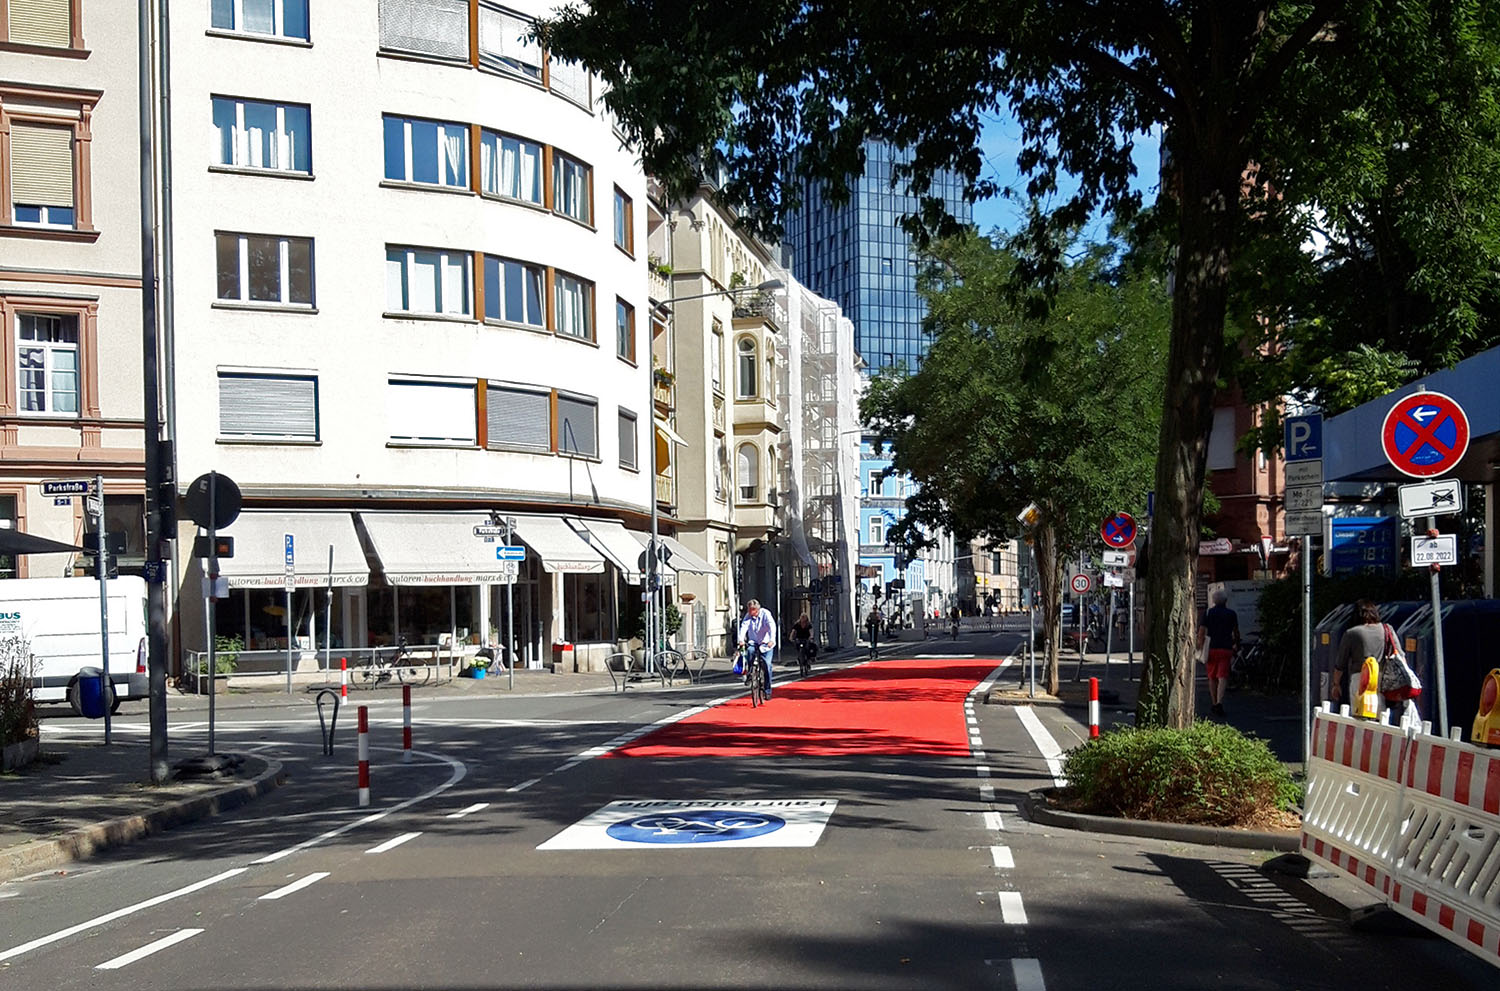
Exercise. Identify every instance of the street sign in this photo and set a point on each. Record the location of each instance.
(93, 504)
(1080, 583)
(67, 486)
(1118, 530)
(1116, 559)
(1300, 498)
(1425, 434)
(1029, 515)
(1112, 580)
(1431, 498)
(489, 530)
(1303, 436)
(1305, 523)
(227, 501)
(510, 570)
(1304, 472)
(507, 552)
(1219, 545)
(291, 563)
(1442, 549)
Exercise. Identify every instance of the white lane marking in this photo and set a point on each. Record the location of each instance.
(986, 793)
(295, 886)
(993, 821)
(983, 770)
(1051, 752)
(476, 807)
(1027, 972)
(522, 786)
(1003, 859)
(459, 770)
(937, 657)
(1012, 912)
(119, 913)
(126, 959)
(394, 842)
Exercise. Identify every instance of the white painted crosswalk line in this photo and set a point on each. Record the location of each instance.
(394, 842)
(295, 886)
(126, 959)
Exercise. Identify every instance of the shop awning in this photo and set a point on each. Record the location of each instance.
(260, 550)
(432, 548)
(682, 559)
(557, 545)
(610, 538)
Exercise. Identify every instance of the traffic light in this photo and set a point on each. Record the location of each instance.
(223, 546)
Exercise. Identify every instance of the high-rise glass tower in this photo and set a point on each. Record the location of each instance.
(858, 255)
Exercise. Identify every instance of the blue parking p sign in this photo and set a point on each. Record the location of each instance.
(1303, 437)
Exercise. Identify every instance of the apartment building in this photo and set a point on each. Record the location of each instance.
(410, 291)
(70, 276)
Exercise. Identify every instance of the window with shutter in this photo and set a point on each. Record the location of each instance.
(428, 27)
(577, 426)
(518, 419)
(628, 457)
(41, 22)
(505, 43)
(431, 412)
(41, 175)
(268, 406)
(571, 80)
(749, 471)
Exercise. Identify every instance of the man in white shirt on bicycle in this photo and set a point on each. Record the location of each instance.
(759, 627)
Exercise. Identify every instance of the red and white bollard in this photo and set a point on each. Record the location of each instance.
(406, 724)
(364, 756)
(343, 677)
(1093, 708)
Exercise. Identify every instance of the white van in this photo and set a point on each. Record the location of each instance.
(60, 619)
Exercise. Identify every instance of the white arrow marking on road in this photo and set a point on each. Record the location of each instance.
(394, 842)
(125, 959)
(295, 886)
(119, 913)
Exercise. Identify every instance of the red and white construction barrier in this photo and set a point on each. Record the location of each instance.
(406, 724)
(343, 677)
(1415, 818)
(364, 756)
(1093, 708)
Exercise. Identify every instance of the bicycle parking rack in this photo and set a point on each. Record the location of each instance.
(330, 725)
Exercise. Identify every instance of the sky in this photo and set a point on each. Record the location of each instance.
(1001, 141)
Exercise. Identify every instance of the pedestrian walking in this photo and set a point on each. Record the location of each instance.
(1220, 631)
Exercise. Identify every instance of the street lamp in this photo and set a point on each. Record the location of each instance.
(653, 550)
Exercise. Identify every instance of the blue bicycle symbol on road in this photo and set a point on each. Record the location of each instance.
(695, 826)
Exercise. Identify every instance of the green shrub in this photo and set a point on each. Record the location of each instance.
(17, 707)
(1210, 775)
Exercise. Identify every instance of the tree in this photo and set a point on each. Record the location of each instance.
(1228, 84)
(1011, 407)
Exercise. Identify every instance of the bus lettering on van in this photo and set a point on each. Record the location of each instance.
(10, 624)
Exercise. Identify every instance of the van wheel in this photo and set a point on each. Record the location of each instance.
(73, 697)
(115, 700)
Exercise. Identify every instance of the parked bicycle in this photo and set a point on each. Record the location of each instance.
(396, 663)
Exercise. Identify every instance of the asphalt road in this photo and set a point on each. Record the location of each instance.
(924, 876)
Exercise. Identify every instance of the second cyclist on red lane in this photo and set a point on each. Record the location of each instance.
(758, 629)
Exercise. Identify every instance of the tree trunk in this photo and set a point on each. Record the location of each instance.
(1049, 582)
(1207, 213)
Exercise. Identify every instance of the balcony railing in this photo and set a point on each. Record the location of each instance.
(664, 394)
(664, 491)
(719, 413)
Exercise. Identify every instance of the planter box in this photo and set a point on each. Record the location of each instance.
(198, 684)
(15, 756)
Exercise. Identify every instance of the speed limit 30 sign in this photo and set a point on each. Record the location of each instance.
(1080, 583)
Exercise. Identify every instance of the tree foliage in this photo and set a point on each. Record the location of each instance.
(1011, 407)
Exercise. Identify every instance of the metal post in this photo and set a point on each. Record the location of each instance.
(1307, 555)
(289, 641)
(1437, 643)
(1109, 632)
(510, 619)
(1031, 624)
(211, 605)
(328, 619)
(1130, 634)
(101, 570)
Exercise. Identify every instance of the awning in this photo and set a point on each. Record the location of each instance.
(557, 545)
(682, 559)
(610, 538)
(669, 433)
(260, 550)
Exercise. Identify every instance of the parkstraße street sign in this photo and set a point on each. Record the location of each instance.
(1431, 498)
(67, 486)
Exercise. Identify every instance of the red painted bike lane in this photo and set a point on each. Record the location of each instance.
(897, 707)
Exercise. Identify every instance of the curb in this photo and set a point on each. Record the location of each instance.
(1037, 809)
(84, 842)
(995, 698)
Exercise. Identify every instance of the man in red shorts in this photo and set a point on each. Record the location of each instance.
(1221, 628)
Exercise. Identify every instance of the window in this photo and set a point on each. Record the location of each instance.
(427, 281)
(624, 330)
(877, 483)
(41, 175)
(268, 406)
(749, 472)
(577, 426)
(513, 292)
(505, 43)
(47, 364)
(261, 268)
(877, 529)
(721, 469)
(285, 18)
(570, 80)
(518, 419)
(624, 223)
(628, 455)
(510, 167)
(44, 23)
(716, 357)
(1221, 440)
(9, 512)
(588, 608)
(255, 135)
(420, 412)
(427, 27)
(575, 307)
(746, 348)
(572, 188)
(426, 151)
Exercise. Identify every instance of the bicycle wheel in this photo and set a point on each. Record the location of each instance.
(757, 682)
(411, 673)
(367, 675)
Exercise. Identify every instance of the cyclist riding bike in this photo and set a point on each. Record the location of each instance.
(953, 616)
(807, 647)
(758, 629)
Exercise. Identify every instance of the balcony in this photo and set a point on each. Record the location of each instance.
(665, 394)
(719, 414)
(656, 284)
(665, 492)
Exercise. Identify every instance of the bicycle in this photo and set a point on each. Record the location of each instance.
(806, 650)
(397, 663)
(755, 673)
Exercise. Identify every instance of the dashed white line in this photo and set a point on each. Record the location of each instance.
(1051, 752)
(522, 786)
(1004, 861)
(295, 886)
(983, 770)
(986, 793)
(993, 821)
(476, 807)
(1028, 974)
(119, 913)
(1012, 912)
(126, 959)
(394, 842)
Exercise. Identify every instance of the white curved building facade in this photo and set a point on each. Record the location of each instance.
(408, 277)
